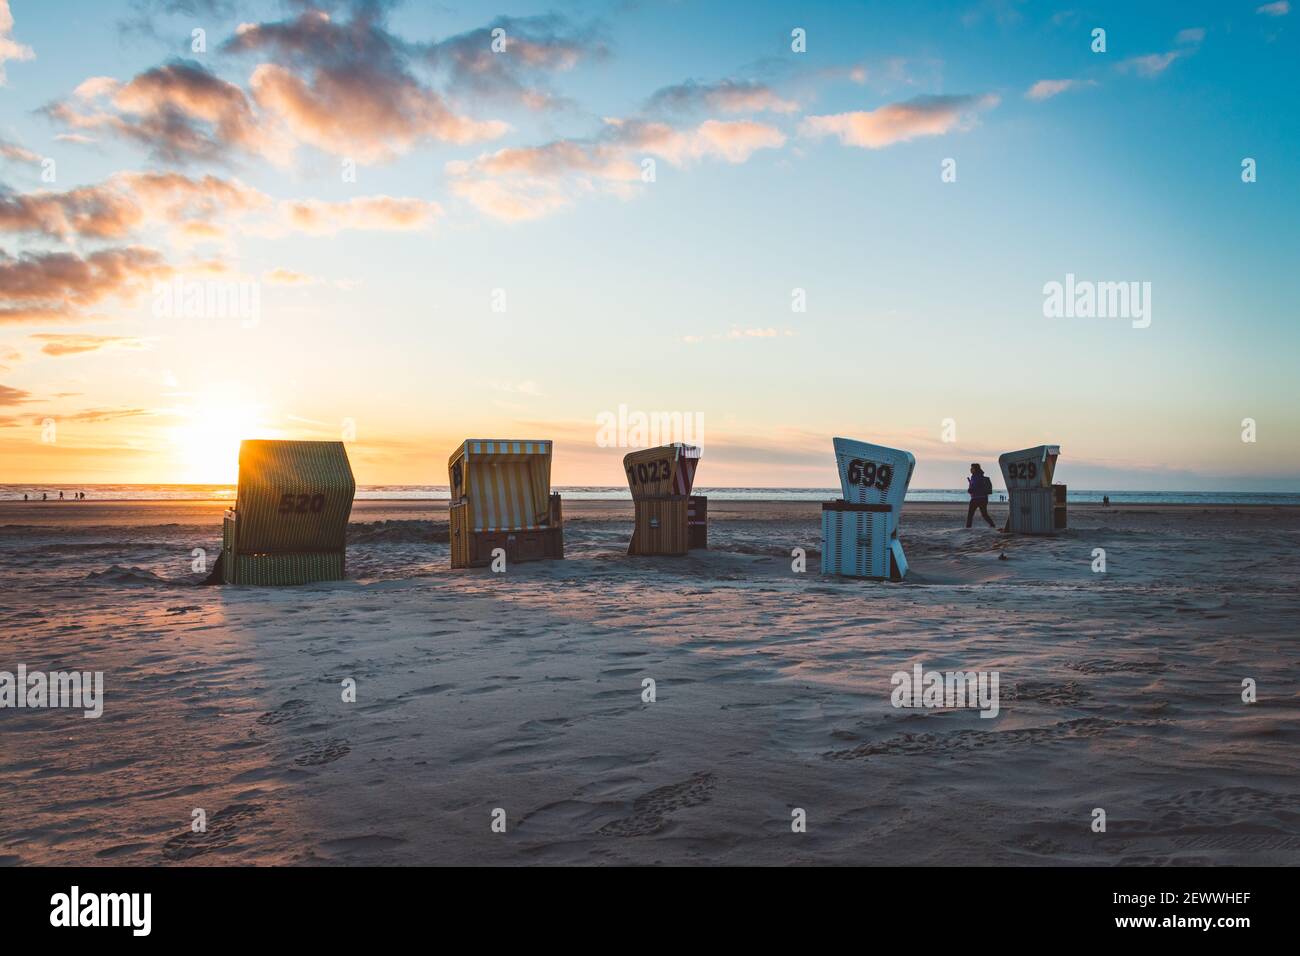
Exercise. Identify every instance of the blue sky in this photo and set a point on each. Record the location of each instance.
(774, 171)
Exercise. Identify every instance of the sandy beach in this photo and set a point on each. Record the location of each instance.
(523, 691)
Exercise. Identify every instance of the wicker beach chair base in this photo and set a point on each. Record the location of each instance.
(857, 542)
(669, 525)
(1037, 510)
(473, 549)
(281, 568)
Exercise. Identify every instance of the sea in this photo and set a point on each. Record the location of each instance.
(107, 492)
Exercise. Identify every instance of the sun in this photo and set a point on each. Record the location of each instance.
(207, 442)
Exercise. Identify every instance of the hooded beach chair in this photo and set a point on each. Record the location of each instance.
(1036, 505)
(501, 498)
(290, 520)
(669, 519)
(860, 531)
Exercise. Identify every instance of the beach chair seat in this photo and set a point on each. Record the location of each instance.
(289, 523)
(1035, 504)
(860, 531)
(668, 519)
(501, 499)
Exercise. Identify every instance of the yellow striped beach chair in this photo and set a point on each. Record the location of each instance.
(669, 519)
(501, 498)
(290, 520)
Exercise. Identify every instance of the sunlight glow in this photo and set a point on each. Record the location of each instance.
(207, 443)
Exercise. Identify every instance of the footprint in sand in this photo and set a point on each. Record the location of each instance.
(650, 811)
(286, 711)
(1067, 694)
(327, 752)
(922, 745)
(224, 828)
(1104, 666)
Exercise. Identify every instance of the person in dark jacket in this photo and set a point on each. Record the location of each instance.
(979, 487)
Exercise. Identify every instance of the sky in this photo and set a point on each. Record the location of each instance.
(407, 224)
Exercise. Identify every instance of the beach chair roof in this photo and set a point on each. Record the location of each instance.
(293, 495)
(873, 474)
(661, 471)
(506, 482)
(1039, 466)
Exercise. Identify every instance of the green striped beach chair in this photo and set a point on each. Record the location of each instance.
(290, 520)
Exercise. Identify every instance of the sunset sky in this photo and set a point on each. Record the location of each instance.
(385, 183)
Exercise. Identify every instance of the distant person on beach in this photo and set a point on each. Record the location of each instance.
(60, 496)
(979, 487)
(1105, 501)
(44, 496)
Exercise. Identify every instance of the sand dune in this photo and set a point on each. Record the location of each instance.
(523, 692)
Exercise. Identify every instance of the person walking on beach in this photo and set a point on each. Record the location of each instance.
(979, 487)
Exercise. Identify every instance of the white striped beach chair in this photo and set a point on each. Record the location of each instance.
(1036, 505)
(860, 530)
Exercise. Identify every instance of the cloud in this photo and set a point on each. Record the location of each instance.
(48, 285)
(17, 153)
(105, 414)
(523, 183)
(533, 47)
(198, 209)
(725, 96)
(13, 396)
(286, 277)
(10, 49)
(1154, 64)
(1151, 64)
(901, 122)
(1279, 9)
(365, 117)
(126, 203)
(179, 111)
(347, 88)
(1046, 89)
(74, 344)
(320, 218)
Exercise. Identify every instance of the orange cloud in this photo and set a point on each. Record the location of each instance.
(10, 49)
(74, 344)
(321, 218)
(530, 182)
(40, 286)
(1046, 89)
(286, 277)
(366, 117)
(900, 122)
